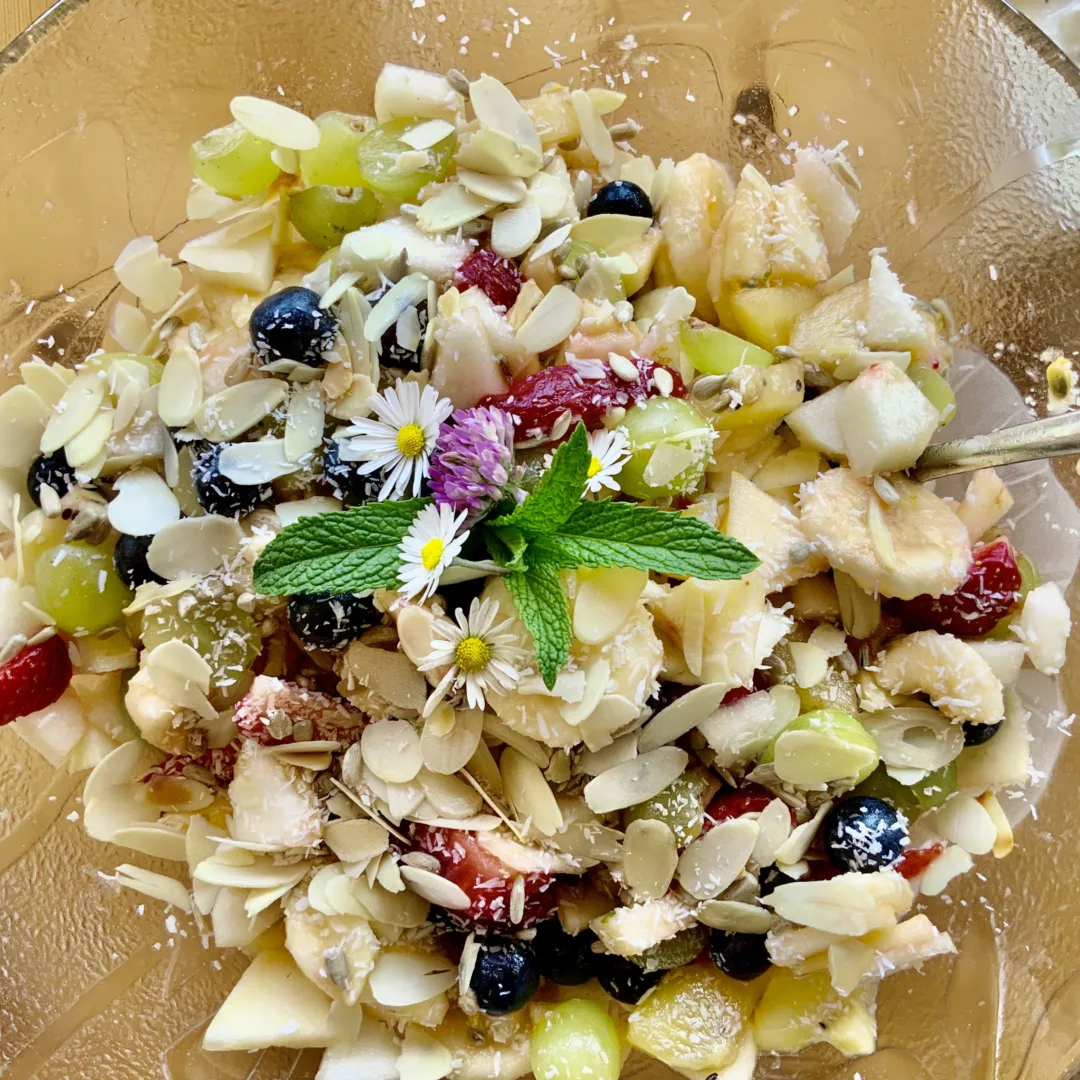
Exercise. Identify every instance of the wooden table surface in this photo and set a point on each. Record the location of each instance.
(17, 15)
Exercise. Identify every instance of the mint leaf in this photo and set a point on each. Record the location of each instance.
(622, 534)
(507, 546)
(559, 491)
(351, 551)
(542, 606)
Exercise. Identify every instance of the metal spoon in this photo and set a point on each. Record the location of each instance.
(1055, 436)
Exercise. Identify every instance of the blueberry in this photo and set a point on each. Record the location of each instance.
(290, 325)
(566, 959)
(742, 956)
(392, 354)
(217, 494)
(328, 621)
(505, 976)
(771, 878)
(864, 834)
(129, 558)
(977, 734)
(623, 979)
(620, 197)
(462, 593)
(349, 484)
(49, 470)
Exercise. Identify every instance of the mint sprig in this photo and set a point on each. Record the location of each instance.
(541, 604)
(348, 551)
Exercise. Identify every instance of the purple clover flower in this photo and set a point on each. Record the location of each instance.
(473, 461)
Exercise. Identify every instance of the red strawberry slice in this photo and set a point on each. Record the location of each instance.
(495, 276)
(538, 401)
(219, 764)
(35, 678)
(485, 880)
(915, 860)
(730, 803)
(990, 591)
(267, 710)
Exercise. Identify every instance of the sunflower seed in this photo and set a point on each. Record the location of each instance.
(734, 916)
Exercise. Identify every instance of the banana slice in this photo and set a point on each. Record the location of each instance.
(956, 678)
(916, 546)
(336, 952)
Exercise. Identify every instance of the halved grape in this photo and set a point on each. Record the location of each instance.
(716, 352)
(1030, 578)
(102, 361)
(323, 215)
(936, 390)
(913, 799)
(233, 161)
(670, 445)
(835, 691)
(333, 161)
(680, 806)
(378, 157)
(575, 1039)
(78, 586)
(227, 638)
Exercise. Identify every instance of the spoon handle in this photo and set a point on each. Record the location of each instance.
(1055, 436)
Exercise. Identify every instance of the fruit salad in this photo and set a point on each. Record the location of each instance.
(480, 575)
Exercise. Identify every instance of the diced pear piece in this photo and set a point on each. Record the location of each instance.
(1043, 625)
(793, 1010)
(891, 319)
(336, 952)
(986, 501)
(715, 351)
(783, 391)
(797, 251)
(1004, 759)
(643, 251)
(832, 329)
(885, 421)
(250, 264)
(836, 209)
(375, 248)
(697, 198)
(744, 255)
(771, 531)
(854, 1031)
(816, 423)
(273, 1004)
(767, 316)
(272, 803)
(372, 1055)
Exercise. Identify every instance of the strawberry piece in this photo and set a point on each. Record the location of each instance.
(207, 767)
(35, 678)
(989, 593)
(538, 401)
(730, 803)
(274, 711)
(485, 880)
(495, 276)
(915, 860)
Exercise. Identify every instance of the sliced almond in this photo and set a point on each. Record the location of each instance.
(151, 276)
(128, 762)
(597, 678)
(739, 731)
(811, 663)
(450, 796)
(605, 598)
(157, 841)
(181, 676)
(951, 863)
(144, 504)
(261, 873)
(552, 321)
(83, 449)
(490, 151)
(291, 512)
(181, 391)
(116, 808)
(528, 748)
(408, 292)
(1003, 842)
(734, 916)
(426, 135)
(256, 463)
(157, 886)
(515, 230)
(193, 546)
(128, 325)
(774, 828)
(400, 979)
(436, 889)
(448, 748)
(236, 409)
(391, 750)
(23, 420)
(357, 840)
(495, 189)
(275, 122)
(635, 781)
(713, 861)
(682, 715)
(529, 793)
(551, 195)
(451, 208)
(851, 904)
(594, 132)
(609, 232)
(78, 407)
(802, 836)
(965, 822)
(497, 108)
(650, 856)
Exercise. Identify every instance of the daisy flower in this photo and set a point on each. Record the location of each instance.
(430, 545)
(610, 452)
(481, 656)
(400, 442)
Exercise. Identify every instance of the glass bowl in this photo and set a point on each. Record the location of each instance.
(963, 121)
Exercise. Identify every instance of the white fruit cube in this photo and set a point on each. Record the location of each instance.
(798, 253)
(835, 208)
(891, 319)
(1043, 625)
(816, 423)
(885, 421)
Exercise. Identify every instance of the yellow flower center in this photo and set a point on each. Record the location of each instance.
(410, 440)
(472, 654)
(594, 467)
(431, 553)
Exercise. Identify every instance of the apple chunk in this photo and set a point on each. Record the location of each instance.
(884, 421)
(816, 424)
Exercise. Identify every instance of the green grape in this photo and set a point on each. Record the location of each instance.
(928, 794)
(377, 155)
(835, 691)
(680, 806)
(684, 948)
(233, 161)
(1029, 579)
(716, 352)
(333, 161)
(575, 1039)
(844, 749)
(936, 390)
(224, 636)
(670, 445)
(323, 215)
(78, 586)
